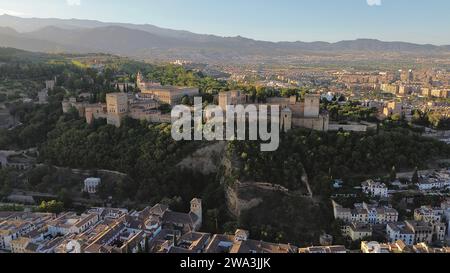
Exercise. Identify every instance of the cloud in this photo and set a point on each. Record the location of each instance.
(374, 3)
(73, 2)
(11, 12)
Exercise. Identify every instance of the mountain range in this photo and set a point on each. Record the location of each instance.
(152, 42)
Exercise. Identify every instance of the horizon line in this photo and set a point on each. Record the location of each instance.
(219, 35)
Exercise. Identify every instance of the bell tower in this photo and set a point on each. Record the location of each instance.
(139, 80)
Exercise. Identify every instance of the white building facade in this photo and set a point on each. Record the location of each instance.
(91, 185)
(375, 189)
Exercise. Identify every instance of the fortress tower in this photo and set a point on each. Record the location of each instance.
(312, 105)
(231, 98)
(286, 120)
(223, 100)
(117, 107)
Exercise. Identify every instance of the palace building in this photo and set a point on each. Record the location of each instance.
(293, 113)
(171, 95)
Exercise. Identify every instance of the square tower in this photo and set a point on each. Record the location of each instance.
(117, 107)
(312, 105)
(286, 120)
(117, 103)
(231, 98)
(224, 100)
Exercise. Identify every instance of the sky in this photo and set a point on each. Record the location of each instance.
(419, 21)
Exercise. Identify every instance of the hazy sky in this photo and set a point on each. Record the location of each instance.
(421, 21)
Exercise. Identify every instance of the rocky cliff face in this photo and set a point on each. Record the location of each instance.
(258, 206)
(206, 160)
(245, 195)
(240, 195)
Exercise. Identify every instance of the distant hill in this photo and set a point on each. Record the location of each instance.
(148, 41)
(110, 39)
(10, 38)
(8, 54)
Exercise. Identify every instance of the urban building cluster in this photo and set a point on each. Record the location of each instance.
(429, 182)
(155, 229)
(427, 83)
(358, 223)
(429, 225)
(400, 247)
(373, 247)
(398, 92)
(364, 213)
(436, 180)
(100, 230)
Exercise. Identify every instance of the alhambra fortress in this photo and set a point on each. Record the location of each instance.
(293, 113)
(145, 105)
